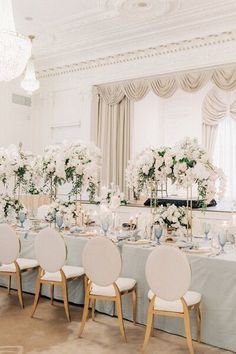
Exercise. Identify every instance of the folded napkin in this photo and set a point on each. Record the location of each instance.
(76, 229)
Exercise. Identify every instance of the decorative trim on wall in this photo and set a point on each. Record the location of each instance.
(141, 54)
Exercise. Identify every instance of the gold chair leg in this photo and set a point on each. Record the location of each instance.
(65, 297)
(52, 293)
(85, 312)
(37, 293)
(120, 316)
(93, 309)
(134, 300)
(19, 287)
(152, 331)
(9, 285)
(188, 331)
(199, 320)
(149, 326)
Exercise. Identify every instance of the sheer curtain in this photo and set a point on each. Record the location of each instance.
(225, 154)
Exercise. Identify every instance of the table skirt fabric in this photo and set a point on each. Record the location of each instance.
(214, 278)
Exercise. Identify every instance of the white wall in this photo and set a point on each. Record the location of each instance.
(15, 119)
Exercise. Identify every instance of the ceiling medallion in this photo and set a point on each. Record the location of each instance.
(144, 8)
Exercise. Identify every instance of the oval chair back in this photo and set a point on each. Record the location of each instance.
(42, 211)
(168, 273)
(9, 244)
(101, 261)
(50, 250)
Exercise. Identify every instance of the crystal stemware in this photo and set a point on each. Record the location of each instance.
(22, 218)
(59, 221)
(158, 233)
(105, 224)
(206, 230)
(222, 238)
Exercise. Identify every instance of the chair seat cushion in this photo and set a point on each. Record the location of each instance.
(123, 284)
(23, 263)
(191, 298)
(70, 272)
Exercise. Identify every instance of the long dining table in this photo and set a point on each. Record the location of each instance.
(213, 277)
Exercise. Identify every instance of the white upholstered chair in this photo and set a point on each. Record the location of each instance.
(10, 264)
(51, 253)
(42, 211)
(102, 265)
(169, 277)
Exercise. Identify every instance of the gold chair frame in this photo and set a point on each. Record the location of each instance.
(185, 315)
(117, 299)
(18, 276)
(62, 283)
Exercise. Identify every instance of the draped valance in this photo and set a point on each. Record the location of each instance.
(165, 86)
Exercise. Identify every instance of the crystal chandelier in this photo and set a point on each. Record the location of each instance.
(30, 83)
(15, 49)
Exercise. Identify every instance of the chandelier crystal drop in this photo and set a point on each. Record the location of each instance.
(30, 83)
(15, 49)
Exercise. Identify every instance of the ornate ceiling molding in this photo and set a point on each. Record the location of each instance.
(141, 54)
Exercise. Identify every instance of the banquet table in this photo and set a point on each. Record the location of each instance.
(213, 277)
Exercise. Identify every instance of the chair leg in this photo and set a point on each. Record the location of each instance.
(19, 287)
(120, 316)
(152, 331)
(149, 326)
(9, 285)
(199, 319)
(85, 312)
(65, 297)
(134, 300)
(52, 293)
(93, 309)
(37, 294)
(188, 331)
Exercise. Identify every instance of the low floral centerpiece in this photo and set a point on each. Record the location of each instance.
(65, 209)
(172, 218)
(10, 208)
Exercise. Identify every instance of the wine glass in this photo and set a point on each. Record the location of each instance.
(222, 238)
(22, 218)
(206, 230)
(158, 230)
(59, 221)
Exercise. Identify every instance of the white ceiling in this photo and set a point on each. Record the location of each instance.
(68, 30)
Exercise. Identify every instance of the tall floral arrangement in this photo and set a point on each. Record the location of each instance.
(79, 163)
(150, 167)
(185, 165)
(193, 166)
(15, 165)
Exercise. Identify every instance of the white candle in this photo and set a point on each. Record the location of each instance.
(234, 219)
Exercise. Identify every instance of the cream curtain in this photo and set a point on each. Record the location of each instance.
(111, 132)
(217, 105)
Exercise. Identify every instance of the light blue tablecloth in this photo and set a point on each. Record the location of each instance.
(214, 278)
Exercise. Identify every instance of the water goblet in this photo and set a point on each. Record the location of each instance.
(222, 238)
(59, 221)
(22, 217)
(158, 233)
(206, 230)
(105, 226)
